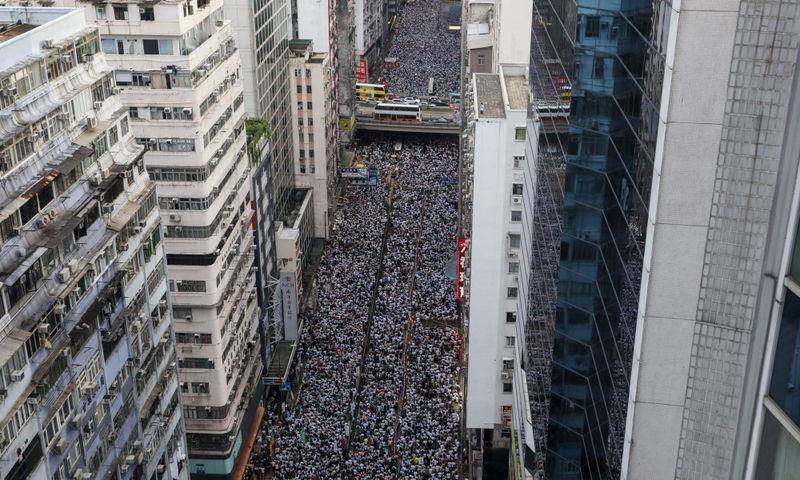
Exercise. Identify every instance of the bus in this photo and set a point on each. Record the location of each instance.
(430, 86)
(365, 91)
(397, 112)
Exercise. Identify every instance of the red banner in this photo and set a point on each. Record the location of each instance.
(362, 72)
(461, 263)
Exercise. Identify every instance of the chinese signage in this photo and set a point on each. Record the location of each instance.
(505, 415)
(288, 287)
(362, 71)
(461, 262)
(354, 172)
(365, 176)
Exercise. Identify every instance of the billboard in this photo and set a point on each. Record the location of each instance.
(362, 71)
(288, 289)
(354, 172)
(505, 414)
(371, 179)
(461, 264)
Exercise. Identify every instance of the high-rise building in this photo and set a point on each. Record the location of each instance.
(262, 31)
(714, 382)
(89, 371)
(180, 77)
(315, 122)
(581, 338)
(371, 29)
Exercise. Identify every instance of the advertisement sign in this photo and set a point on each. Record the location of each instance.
(390, 63)
(288, 288)
(461, 264)
(362, 71)
(370, 180)
(505, 416)
(354, 172)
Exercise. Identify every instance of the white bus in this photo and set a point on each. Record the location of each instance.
(397, 112)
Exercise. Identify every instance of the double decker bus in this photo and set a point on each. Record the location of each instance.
(365, 91)
(397, 112)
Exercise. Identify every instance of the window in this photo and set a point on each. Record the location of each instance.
(516, 189)
(519, 133)
(508, 363)
(786, 367)
(519, 160)
(133, 112)
(300, 121)
(513, 267)
(147, 14)
(109, 46)
(511, 292)
(150, 47)
(516, 215)
(310, 122)
(481, 59)
(120, 12)
(510, 342)
(592, 26)
(309, 105)
(779, 455)
(199, 387)
(514, 240)
(299, 105)
(308, 73)
(508, 387)
(511, 317)
(599, 67)
(311, 153)
(100, 12)
(308, 88)
(299, 89)
(297, 72)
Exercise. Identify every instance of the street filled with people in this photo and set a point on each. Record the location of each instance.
(424, 49)
(400, 342)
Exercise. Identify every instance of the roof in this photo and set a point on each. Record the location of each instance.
(489, 96)
(9, 31)
(517, 91)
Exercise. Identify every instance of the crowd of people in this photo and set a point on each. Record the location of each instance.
(405, 417)
(424, 48)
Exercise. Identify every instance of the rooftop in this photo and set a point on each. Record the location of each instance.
(11, 30)
(489, 96)
(517, 91)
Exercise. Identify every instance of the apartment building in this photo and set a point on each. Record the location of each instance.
(89, 368)
(315, 129)
(178, 69)
(371, 30)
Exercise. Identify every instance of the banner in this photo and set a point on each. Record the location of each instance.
(461, 263)
(362, 71)
(354, 172)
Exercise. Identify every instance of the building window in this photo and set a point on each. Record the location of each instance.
(779, 453)
(299, 105)
(516, 215)
(514, 240)
(150, 47)
(519, 133)
(133, 112)
(147, 14)
(513, 267)
(309, 105)
(308, 73)
(300, 121)
(516, 189)
(786, 367)
(297, 72)
(100, 12)
(592, 26)
(511, 317)
(120, 12)
(519, 160)
(308, 88)
(481, 59)
(511, 292)
(508, 363)
(311, 153)
(599, 67)
(510, 342)
(508, 387)
(310, 122)
(299, 89)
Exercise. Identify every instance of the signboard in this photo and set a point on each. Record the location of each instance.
(390, 63)
(505, 416)
(371, 180)
(288, 288)
(354, 172)
(461, 264)
(362, 71)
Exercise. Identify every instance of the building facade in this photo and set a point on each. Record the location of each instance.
(370, 29)
(582, 348)
(89, 367)
(179, 71)
(713, 383)
(262, 30)
(315, 133)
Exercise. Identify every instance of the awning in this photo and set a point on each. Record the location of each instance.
(24, 266)
(11, 344)
(68, 164)
(38, 186)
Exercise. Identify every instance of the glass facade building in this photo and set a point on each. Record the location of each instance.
(611, 55)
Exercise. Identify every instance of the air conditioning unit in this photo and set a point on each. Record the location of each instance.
(516, 200)
(505, 376)
(43, 328)
(137, 230)
(76, 419)
(219, 23)
(62, 445)
(87, 58)
(47, 44)
(161, 468)
(112, 435)
(91, 122)
(17, 375)
(513, 254)
(167, 109)
(66, 58)
(187, 111)
(124, 468)
(141, 11)
(89, 388)
(98, 105)
(136, 324)
(32, 401)
(214, 161)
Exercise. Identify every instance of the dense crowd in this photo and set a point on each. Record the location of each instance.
(424, 48)
(407, 421)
